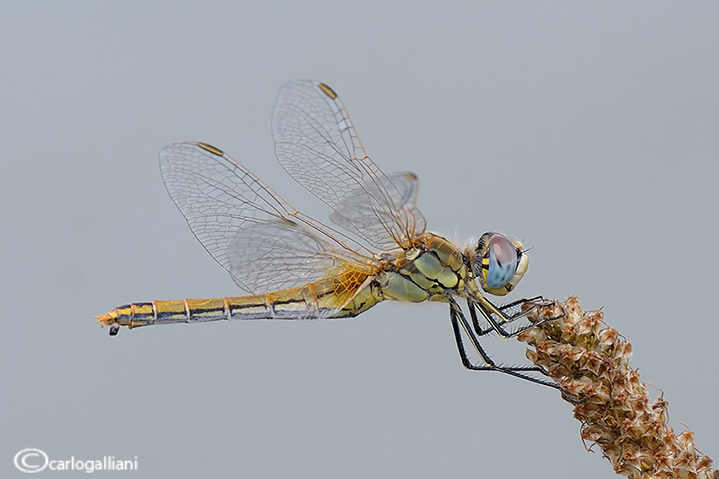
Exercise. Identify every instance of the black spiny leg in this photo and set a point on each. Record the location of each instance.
(497, 317)
(457, 318)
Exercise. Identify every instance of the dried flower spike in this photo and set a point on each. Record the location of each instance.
(591, 362)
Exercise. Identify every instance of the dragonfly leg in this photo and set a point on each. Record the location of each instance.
(459, 324)
(497, 317)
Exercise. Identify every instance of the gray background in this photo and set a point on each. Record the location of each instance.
(587, 129)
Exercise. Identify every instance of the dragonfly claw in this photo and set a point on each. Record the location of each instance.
(544, 303)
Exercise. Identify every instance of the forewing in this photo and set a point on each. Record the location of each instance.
(263, 242)
(318, 146)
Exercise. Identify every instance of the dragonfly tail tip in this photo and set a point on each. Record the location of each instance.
(108, 319)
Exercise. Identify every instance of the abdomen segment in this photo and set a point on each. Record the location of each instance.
(312, 301)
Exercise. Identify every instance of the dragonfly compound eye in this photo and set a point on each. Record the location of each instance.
(502, 256)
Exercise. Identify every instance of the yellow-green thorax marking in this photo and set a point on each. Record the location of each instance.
(427, 271)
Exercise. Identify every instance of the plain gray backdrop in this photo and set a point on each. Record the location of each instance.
(588, 129)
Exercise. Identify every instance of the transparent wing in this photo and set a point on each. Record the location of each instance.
(318, 146)
(264, 243)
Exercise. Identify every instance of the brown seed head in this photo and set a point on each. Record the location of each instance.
(591, 362)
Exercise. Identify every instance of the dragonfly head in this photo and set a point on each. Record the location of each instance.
(499, 263)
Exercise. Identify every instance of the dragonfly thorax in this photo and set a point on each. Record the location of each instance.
(499, 263)
(430, 270)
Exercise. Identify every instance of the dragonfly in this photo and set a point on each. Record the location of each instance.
(297, 268)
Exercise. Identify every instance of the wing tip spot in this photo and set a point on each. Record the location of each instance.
(211, 149)
(327, 90)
